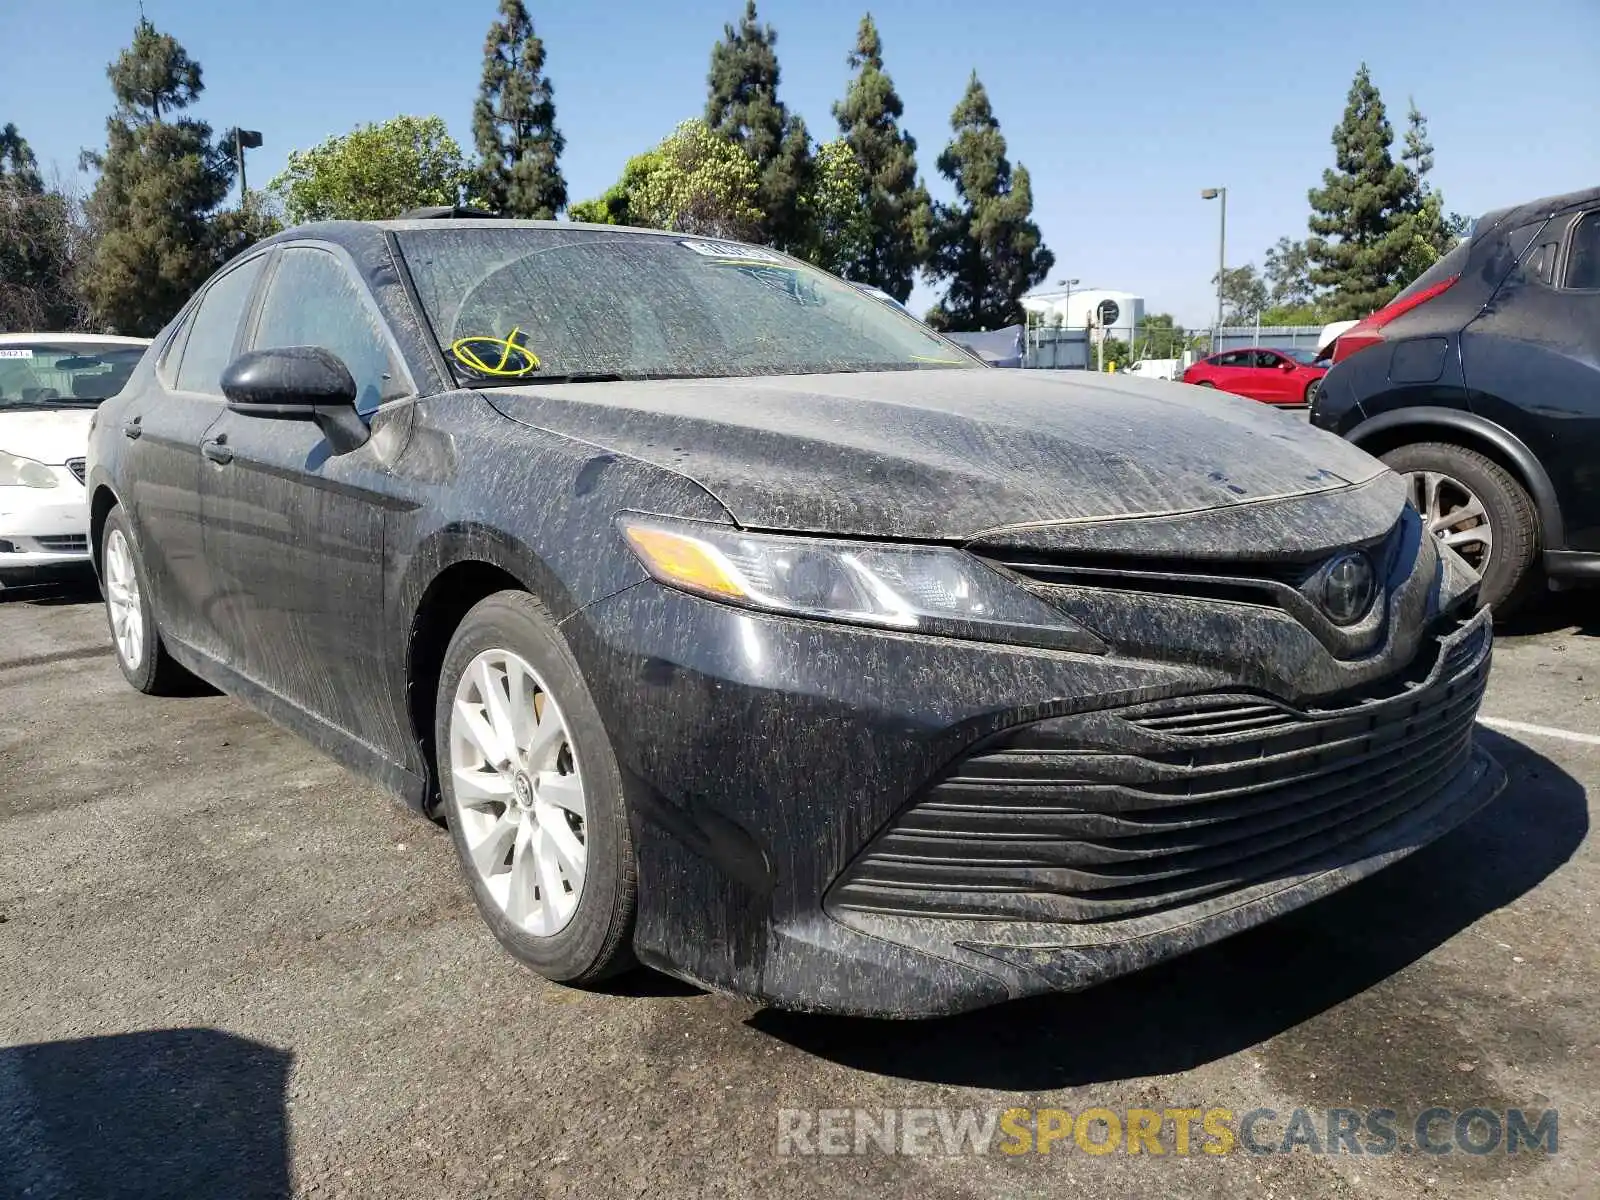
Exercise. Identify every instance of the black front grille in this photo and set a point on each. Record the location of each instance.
(79, 468)
(63, 543)
(1112, 814)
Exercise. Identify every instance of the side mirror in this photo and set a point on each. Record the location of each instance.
(298, 383)
(1285, 365)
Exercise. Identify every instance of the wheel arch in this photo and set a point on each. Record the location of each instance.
(1404, 426)
(456, 568)
(101, 502)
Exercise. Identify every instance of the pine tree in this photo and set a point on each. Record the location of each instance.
(1428, 229)
(161, 179)
(900, 211)
(986, 244)
(744, 106)
(514, 123)
(1362, 240)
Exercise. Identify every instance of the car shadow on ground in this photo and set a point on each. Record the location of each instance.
(1575, 609)
(1242, 991)
(169, 1112)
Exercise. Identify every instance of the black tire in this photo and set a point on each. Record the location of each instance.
(155, 673)
(1311, 390)
(597, 941)
(1511, 574)
(1205, 383)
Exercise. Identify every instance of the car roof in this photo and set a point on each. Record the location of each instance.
(1515, 215)
(354, 235)
(106, 339)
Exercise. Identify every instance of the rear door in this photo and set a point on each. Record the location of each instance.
(296, 530)
(163, 427)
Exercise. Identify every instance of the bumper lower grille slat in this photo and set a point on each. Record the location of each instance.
(1112, 814)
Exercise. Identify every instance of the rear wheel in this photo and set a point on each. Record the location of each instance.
(144, 661)
(1312, 389)
(533, 794)
(1477, 508)
(1205, 383)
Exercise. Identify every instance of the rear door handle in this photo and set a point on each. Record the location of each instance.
(131, 428)
(216, 449)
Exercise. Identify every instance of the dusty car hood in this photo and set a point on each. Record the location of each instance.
(46, 435)
(949, 455)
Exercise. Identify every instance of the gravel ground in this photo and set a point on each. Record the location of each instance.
(227, 968)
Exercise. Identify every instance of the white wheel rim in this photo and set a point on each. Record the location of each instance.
(123, 602)
(1455, 515)
(518, 797)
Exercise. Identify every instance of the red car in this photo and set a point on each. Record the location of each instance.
(1289, 377)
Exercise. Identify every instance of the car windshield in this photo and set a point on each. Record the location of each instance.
(519, 304)
(63, 373)
(1305, 358)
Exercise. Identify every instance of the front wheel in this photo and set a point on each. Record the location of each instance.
(1477, 508)
(533, 794)
(1311, 390)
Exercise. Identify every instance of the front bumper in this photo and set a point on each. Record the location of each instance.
(772, 765)
(43, 530)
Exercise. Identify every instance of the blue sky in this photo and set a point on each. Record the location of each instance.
(1122, 112)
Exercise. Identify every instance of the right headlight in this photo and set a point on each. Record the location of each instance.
(924, 589)
(17, 471)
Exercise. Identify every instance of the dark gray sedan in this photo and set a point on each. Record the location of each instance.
(735, 622)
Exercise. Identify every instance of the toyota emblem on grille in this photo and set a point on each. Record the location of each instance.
(1348, 587)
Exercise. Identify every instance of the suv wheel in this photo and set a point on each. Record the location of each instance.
(1477, 508)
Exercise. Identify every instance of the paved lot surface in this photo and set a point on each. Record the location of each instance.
(227, 968)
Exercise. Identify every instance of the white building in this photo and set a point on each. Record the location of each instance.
(1119, 312)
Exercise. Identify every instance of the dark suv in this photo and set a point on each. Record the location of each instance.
(1481, 382)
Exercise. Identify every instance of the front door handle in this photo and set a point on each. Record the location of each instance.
(216, 449)
(131, 428)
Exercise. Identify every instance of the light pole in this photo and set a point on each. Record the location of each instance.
(1066, 304)
(244, 139)
(1222, 254)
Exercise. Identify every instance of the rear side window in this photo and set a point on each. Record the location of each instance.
(1583, 261)
(214, 328)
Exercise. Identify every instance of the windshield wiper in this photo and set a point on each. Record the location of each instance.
(45, 405)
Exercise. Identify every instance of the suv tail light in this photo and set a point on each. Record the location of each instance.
(1369, 332)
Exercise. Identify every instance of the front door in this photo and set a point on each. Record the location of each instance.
(164, 427)
(296, 530)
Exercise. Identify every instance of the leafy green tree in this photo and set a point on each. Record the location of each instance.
(898, 207)
(514, 123)
(834, 212)
(161, 180)
(1159, 336)
(1362, 244)
(373, 173)
(1292, 314)
(695, 181)
(36, 244)
(985, 245)
(1244, 294)
(743, 106)
(1288, 275)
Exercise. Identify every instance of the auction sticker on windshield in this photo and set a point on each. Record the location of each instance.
(23, 353)
(732, 250)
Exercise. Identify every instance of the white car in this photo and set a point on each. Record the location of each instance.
(1155, 368)
(50, 385)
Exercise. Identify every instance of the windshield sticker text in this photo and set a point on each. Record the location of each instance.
(9, 353)
(731, 250)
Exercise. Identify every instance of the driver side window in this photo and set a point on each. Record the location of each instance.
(312, 300)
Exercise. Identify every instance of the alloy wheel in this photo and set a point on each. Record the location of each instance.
(1455, 515)
(519, 797)
(123, 601)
